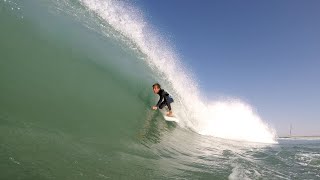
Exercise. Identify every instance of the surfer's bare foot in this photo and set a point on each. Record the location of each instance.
(170, 114)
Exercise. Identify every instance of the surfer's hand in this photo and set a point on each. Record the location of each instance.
(154, 107)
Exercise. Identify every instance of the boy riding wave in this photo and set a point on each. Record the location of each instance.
(165, 99)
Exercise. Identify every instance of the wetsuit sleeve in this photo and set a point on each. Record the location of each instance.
(160, 100)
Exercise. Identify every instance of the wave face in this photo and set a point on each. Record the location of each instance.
(75, 98)
(232, 120)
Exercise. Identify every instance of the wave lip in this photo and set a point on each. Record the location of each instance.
(232, 120)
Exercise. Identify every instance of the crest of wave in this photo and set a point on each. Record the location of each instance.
(226, 119)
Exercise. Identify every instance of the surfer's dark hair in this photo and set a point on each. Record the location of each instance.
(156, 85)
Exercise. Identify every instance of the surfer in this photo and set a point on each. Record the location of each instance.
(165, 99)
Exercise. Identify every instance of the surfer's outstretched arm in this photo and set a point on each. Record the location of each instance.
(160, 101)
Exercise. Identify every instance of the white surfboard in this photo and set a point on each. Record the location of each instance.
(172, 118)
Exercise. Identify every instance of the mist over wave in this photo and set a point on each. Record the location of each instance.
(227, 119)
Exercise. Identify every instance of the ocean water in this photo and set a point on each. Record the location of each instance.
(75, 98)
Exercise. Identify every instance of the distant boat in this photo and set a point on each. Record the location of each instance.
(290, 133)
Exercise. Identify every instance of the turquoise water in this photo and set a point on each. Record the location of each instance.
(75, 98)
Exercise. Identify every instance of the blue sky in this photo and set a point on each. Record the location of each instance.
(264, 52)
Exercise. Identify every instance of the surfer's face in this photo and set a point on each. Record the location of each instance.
(156, 90)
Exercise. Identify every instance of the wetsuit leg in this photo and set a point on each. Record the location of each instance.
(169, 106)
(168, 101)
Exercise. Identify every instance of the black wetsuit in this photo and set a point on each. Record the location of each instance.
(166, 99)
